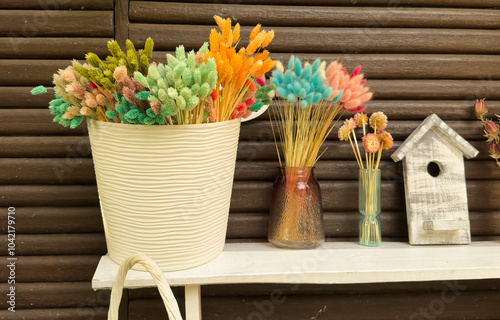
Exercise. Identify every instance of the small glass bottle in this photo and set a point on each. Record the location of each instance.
(296, 216)
(369, 207)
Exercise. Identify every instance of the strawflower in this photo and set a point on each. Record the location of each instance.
(373, 143)
(378, 121)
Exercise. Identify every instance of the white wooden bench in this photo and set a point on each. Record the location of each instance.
(332, 263)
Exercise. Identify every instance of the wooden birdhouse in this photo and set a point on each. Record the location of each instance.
(435, 190)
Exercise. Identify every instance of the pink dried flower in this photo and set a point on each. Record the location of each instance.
(68, 115)
(128, 83)
(250, 101)
(350, 124)
(128, 94)
(76, 89)
(212, 117)
(386, 140)
(371, 143)
(90, 100)
(494, 150)
(480, 107)
(209, 104)
(120, 73)
(199, 58)
(69, 74)
(378, 121)
(490, 127)
(101, 99)
(261, 81)
(355, 94)
(86, 111)
(155, 106)
(361, 119)
(355, 72)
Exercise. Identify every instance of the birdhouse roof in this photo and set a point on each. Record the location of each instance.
(433, 122)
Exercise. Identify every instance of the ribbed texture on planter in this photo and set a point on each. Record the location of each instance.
(165, 190)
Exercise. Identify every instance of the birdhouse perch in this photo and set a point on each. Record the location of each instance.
(435, 189)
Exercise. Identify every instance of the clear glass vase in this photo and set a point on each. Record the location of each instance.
(296, 216)
(369, 207)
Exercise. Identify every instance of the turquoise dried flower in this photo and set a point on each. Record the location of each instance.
(301, 82)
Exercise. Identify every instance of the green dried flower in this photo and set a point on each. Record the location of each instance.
(38, 90)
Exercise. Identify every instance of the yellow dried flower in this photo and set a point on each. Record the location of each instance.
(361, 119)
(378, 121)
(344, 132)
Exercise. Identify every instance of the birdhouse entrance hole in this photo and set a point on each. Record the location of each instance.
(433, 169)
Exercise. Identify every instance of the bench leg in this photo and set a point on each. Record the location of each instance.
(193, 302)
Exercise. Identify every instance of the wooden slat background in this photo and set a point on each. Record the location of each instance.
(420, 56)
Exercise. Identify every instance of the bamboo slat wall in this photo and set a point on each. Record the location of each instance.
(420, 56)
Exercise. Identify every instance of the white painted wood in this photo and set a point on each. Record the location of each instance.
(193, 302)
(435, 123)
(436, 207)
(333, 262)
(446, 225)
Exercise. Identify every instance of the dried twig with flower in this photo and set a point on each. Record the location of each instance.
(373, 143)
(491, 130)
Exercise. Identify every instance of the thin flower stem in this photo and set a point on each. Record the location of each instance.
(355, 153)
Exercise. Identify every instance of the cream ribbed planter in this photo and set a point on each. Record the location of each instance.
(165, 190)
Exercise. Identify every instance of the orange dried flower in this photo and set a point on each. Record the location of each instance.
(254, 32)
(199, 58)
(235, 67)
(256, 43)
(262, 55)
(236, 33)
(386, 140)
(268, 38)
(220, 22)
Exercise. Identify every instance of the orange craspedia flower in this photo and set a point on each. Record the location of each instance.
(371, 143)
